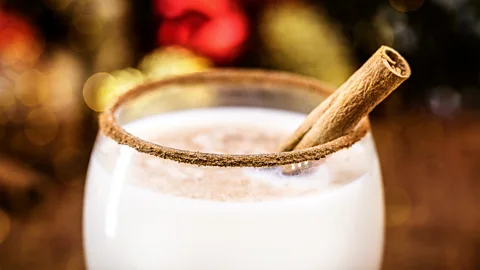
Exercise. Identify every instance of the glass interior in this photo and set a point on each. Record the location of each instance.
(177, 97)
(145, 212)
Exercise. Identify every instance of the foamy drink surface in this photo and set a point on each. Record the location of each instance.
(232, 131)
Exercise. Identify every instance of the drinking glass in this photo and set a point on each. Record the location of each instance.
(133, 221)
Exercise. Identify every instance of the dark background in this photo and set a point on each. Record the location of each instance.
(440, 39)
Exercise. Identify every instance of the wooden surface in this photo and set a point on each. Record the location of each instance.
(431, 169)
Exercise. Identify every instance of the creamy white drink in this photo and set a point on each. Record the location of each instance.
(143, 212)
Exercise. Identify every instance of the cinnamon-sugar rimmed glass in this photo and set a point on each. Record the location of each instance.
(248, 81)
(155, 206)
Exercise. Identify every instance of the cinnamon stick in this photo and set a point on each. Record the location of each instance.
(312, 117)
(357, 97)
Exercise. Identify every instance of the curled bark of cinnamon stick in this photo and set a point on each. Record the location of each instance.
(355, 99)
(307, 124)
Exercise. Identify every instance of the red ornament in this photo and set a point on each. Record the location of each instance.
(20, 46)
(214, 28)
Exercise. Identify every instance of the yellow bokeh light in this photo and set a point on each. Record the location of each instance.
(41, 126)
(97, 91)
(127, 79)
(5, 226)
(172, 61)
(31, 88)
(399, 206)
(62, 94)
(406, 5)
(112, 9)
(302, 38)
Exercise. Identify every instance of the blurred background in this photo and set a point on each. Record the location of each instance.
(61, 61)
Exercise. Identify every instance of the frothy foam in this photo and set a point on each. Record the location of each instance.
(232, 131)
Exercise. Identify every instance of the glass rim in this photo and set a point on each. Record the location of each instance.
(110, 127)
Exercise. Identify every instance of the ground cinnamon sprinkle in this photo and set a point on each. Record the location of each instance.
(249, 80)
(219, 183)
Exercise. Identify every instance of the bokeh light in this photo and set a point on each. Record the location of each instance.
(49, 48)
(172, 61)
(406, 5)
(5, 225)
(301, 38)
(31, 88)
(62, 93)
(112, 9)
(16, 49)
(41, 126)
(444, 101)
(398, 206)
(127, 79)
(102, 88)
(97, 91)
(20, 46)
